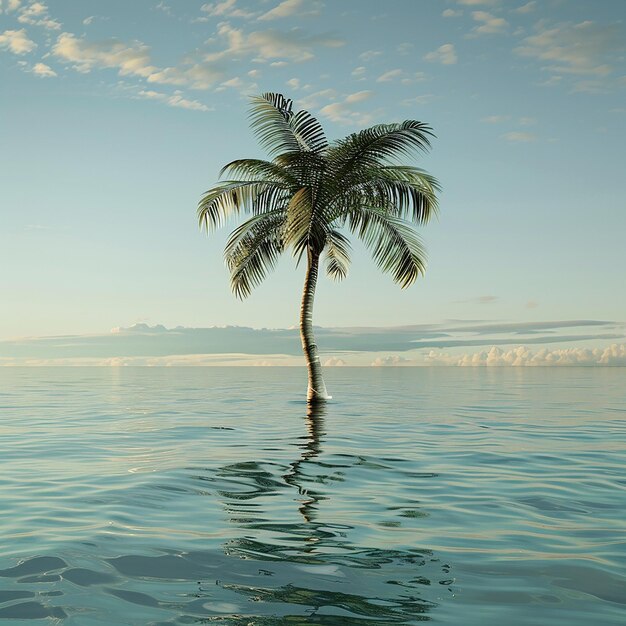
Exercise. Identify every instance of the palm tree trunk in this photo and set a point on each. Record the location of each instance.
(317, 389)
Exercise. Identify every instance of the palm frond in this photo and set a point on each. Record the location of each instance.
(253, 250)
(299, 219)
(395, 246)
(337, 255)
(257, 169)
(280, 130)
(376, 145)
(230, 198)
(403, 191)
(308, 131)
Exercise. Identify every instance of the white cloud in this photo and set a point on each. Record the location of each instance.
(452, 13)
(359, 72)
(368, 55)
(390, 361)
(175, 100)
(495, 119)
(417, 77)
(445, 54)
(129, 59)
(227, 8)
(529, 7)
(334, 362)
(43, 70)
(582, 49)
(389, 76)
(473, 3)
(166, 8)
(359, 96)
(516, 136)
(315, 99)
(524, 357)
(285, 9)
(218, 8)
(417, 100)
(397, 74)
(11, 5)
(342, 113)
(293, 83)
(197, 76)
(37, 14)
(16, 41)
(491, 25)
(292, 45)
(259, 46)
(233, 83)
(202, 70)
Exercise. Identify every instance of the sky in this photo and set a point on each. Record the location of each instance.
(115, 117)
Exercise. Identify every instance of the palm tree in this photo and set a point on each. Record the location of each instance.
(309, 191)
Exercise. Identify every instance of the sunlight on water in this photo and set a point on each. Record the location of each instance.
(210, 496)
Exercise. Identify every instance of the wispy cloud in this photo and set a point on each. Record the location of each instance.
(343, 113)
(516, 136)
(389, 76)
(288, 8)
(369, 55)
(294, 45)
(488, 24)
(398, 75)
(522, 356)
(353, 345)
(495, 119)
(359, 96)
(129, 59)
(391, 361)
(227, 8)
(480, 300)
(529, 7)
(584, 50)
(339, 108)
(473, 3)
(36, 14)
(445, 54)
(165, 8)
(9, 6)
(417, 100)
(174, 100)
(201, 70)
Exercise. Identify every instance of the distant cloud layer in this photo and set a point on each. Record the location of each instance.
(522, 356)
(425, 344)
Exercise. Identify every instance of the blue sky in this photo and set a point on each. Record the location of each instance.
(116, 116)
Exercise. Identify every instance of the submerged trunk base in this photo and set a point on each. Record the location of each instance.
(317, 389)
(313, 396)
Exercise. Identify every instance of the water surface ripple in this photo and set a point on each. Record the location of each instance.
(141, 496)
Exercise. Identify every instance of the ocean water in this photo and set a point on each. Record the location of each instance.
(154, 496)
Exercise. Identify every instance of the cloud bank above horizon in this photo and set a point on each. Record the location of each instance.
(565, 342)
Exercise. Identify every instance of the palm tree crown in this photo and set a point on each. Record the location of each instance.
(312, 190)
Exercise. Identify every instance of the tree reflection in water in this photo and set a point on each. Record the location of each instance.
(308, 571)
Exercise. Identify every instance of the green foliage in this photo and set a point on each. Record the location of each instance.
(312, 188)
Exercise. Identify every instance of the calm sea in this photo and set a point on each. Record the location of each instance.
(154, 496)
